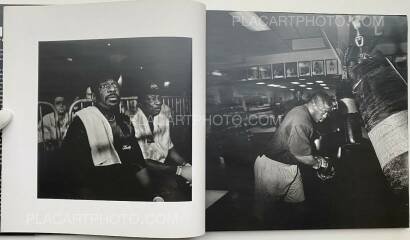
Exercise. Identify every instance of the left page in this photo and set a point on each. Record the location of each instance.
(105, 97)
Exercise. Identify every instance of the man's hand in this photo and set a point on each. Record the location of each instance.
(5, 118)
(187, 173)
(321, 162)
(324, 170)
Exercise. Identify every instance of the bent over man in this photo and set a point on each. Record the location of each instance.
(277, 174)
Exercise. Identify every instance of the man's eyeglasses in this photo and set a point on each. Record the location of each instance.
(107, 85)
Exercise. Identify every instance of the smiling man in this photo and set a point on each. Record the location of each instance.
(102, 157)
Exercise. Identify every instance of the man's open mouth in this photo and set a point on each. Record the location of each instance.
(112, 98)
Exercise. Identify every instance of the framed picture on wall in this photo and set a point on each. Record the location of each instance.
(291, 69)
(304, 68)
(331, 67)
(278, 70)
(318, 68)
(253, 73)
(265, 71)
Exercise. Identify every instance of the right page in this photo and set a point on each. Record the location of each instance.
(307, 121)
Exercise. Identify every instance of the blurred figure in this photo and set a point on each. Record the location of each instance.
(89, 94)
(53, 126)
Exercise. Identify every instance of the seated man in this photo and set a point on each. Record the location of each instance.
(102, 157)
(53, 126)
(152, 129)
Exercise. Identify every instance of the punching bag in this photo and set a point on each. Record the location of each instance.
(381, 96)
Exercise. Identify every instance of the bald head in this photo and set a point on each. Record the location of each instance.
(319, 105)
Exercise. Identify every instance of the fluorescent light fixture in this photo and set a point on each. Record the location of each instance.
(260, 83)
(216, 73)
(325, 88)
(319, 81)
(283, 87)
(249, 20)
(273, 85)
(295, 83)
(302, 85)
(309, 88)
(323, 84)
(309, 83)
(292, 89)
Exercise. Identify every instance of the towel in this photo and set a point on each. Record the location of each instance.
(99, 136)
(158, 149)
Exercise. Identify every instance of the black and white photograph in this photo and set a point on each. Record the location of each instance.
(331, 66)
(265, 71)
(327, 150)
(278, 70)
(253, 73)
(318, 68)
(291, 69)
(114, 119)
(304, 68)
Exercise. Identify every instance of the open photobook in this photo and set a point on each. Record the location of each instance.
(162, 119)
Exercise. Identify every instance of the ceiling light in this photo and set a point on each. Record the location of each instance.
(249, 20)
(283, 87)
(69, 59)
(260, 83)
(302, 79)
(309, 83)
(292, 89)
(295, 82)
(325, 88)
(108, 44)
(167, 83)
(273, 85)
(308, 88)
(216, 73)
(319, 81)
(302, 85)
(323, 84)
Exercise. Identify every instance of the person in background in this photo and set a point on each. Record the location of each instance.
(53, 126)
(89, 94)
(152, 129)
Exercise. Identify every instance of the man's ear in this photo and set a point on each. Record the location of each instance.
(119, 81)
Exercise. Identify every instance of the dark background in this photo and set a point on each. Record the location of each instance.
(67, 67)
